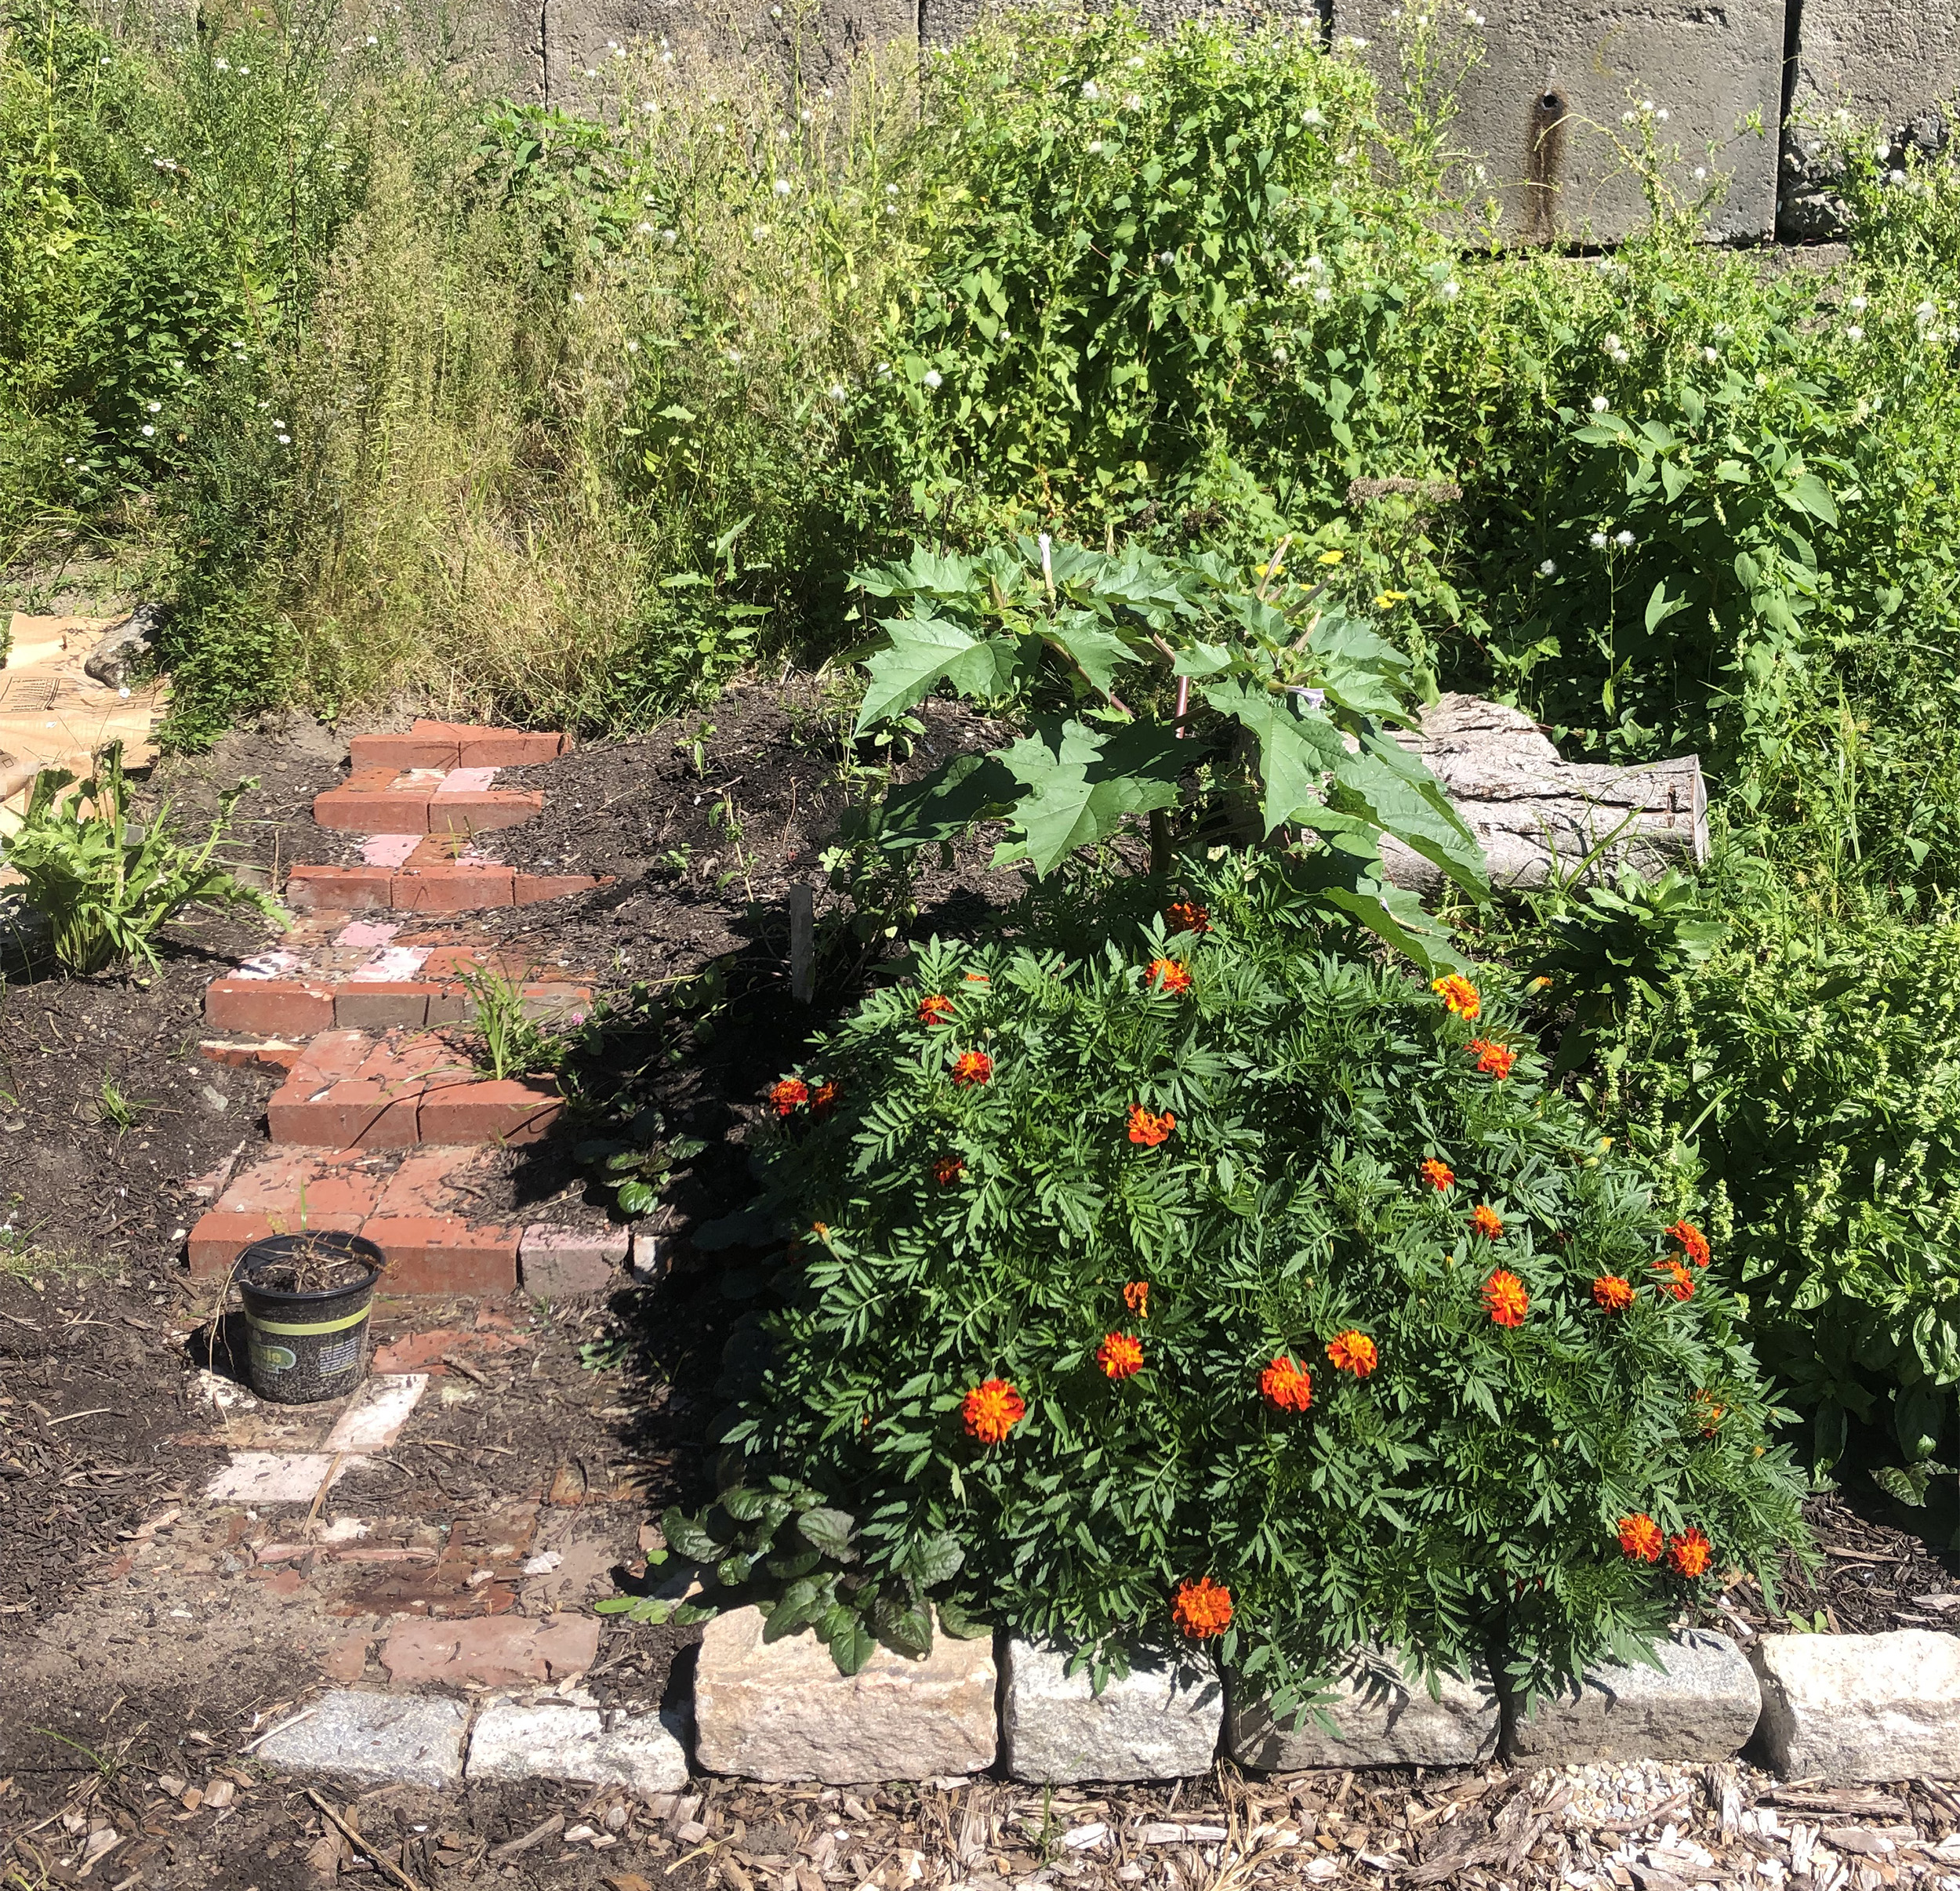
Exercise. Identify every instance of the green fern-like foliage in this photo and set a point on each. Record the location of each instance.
(1462, 1501)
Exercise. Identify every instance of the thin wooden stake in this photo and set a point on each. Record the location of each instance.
(803, 942)
(354, 1838)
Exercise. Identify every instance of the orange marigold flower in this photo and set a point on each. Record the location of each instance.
(1709, 1412)
(788, 1094)
(823, 1099)
(1352, 1351)
(1171, 976)
(973, 1067)
(1694, 1243)
(1136, 1297)
(1149, 1130)
(1186, 915)
(1439, 1175)
(993, 1409)
(948, 1170)
(1688, 1553)
(1612, 1293)
(935, 1009)
(1460, 995)
(1493, 1060)
(821, 1230)
(1504, 1297)
(1487, 1221)
(1679, 1283)
(978, 978)
(1640, 1538)
(1203, 1609)
(1286, 1386)
(1120, 1355)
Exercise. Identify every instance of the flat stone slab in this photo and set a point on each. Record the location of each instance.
(780, 1710)
(1702, 1704)
(1846, 1709)
(491, 1651)
(414, 1740)
(1161, 1722)
(1381, 1720)
(556, 1741)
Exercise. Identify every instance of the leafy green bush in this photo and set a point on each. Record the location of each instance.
(1267, 668)
(106, 889)
(1107, 1277)
(1806, 1075)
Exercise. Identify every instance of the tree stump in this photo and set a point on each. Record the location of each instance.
(1536, 814)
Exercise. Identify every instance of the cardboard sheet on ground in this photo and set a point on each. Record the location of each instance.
(52, 715)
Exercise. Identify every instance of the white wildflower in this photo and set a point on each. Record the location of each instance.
(1090, 91)
(148, 429)
(667, 238)
(1597, 540)
(783, 186)
(1323, 295)
(1093, 147)
(1548, 569)
(1311, 116)
(1854, 333)
(1700, 172)
(1599, 404)
(1711, 355)
(1449, 290)
(836, 390)
(1857, 305)
(932, 377)
(1623, 538)
(1924, 314)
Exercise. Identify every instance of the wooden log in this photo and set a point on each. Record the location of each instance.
(1533, 811)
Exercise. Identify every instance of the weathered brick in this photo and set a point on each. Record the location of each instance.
(380, 811)
(556, 1263)
(288, 1007)
(354, 1113)
(360, 889)
(503, 1111)
(482, 812)
(531, 888)
(376, 1004)
(267, 1052)
(219, 1238)
(443, 1255)
(462, 887)
(412, 751)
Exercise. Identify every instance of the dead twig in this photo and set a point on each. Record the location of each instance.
(353, 1838)
(464, 1367)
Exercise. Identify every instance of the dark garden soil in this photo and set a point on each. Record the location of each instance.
(146, 1649)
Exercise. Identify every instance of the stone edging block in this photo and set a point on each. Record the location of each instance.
(1160, 1721)
(1847, 1708)
(1702, 1704)
(779, 1711)
(558, 1740)
(416, 1739)
(1381, 1719)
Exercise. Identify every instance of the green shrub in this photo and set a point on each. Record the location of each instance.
(107, 888)
(1463, 1500)
(1805, 1074)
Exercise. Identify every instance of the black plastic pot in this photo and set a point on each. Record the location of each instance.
(305, 1346)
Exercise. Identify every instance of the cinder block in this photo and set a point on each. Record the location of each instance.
(556, 1263)
(1542, 112)
(287, 1007)
(1888, 61)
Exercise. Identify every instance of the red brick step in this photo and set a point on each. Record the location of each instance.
(456, 745)
(349, 1091)
(460, 886)
(415, 1208)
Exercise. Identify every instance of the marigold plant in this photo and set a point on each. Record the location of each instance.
(1493, 1060)
(1203, 1609)
(992, 1409)
(1439, 1175)
(1352, 1351)
(1469, 1491)
(1285, 1387)
(1148, 1128)
(1613, 1293)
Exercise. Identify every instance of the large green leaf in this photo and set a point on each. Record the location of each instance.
(830, 1531)
(1099, 654)
(852, 1642)
(948, 801)
(1296, 748)
(924, 652)
(1080, 785)
(1384, 781)
(933, 1559)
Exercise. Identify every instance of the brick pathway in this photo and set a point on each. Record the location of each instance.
(381, 1124)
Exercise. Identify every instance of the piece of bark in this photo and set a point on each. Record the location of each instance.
(1532, 811)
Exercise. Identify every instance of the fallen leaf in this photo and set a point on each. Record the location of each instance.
(190, 1798)
(220, 1793)
(629, 1881)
